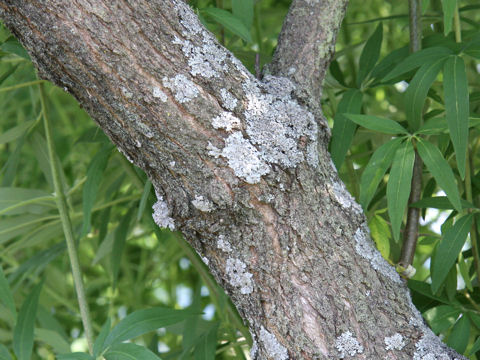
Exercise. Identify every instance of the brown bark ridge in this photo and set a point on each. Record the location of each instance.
(240, 167)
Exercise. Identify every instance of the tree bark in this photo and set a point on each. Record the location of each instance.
(240, 166)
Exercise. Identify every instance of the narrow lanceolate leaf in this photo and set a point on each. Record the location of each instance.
(243, 9)
(129, 352)
(90, 189)
(23, 331)
(459, 337)
(448, 11)
(440, 202)
(370, 54)
(75, 356)
(375, 170)
(399, 184)
(4, 353)
(100, 340)
(389, 62)
(229, 22)
(6, 296)
(207, 344)
(143, 321)
(441, 171)
(119, 241)
(375, 123)
(448, 249)
(417, 59)
(417, 92)
(15, 132)
(344, 129)
(457, 107)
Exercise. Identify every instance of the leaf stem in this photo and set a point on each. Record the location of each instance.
(67, 226)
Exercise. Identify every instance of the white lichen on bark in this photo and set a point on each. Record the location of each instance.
(274, 349)
(159, 94)
(223, 244)
(229, 102)
(365, 248)
(202, 204)
(346, 344)
(394, 342)
(161, 214)
(226, 120)
(184, 89)
(238, 277)
(343, 197)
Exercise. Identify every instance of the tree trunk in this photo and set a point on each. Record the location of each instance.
(240, 166)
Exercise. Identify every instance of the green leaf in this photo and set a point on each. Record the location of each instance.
(441, 171)
(417, 59)
(457, 107)
(441, 317)
(425, 290)
(434, 126)
(344, 129)
(23, 331)
(417, 92)
(75, 356)
(243, 9)
(398, 186)
(375, 170)
(207, 344)
(11, 199)
(460, 335)
(369, 55)
(15, 132)
(100, 340)
(4, 353)
(448, 11)
(447, 250)
(6, 295)
(129, 351)
(380, 232)
(54, 339)
(375, 123)
(464, 271)
(12, 46)
(389, 62)
(440, 202)
(119, 241)
(475, 347)
(90, 189)
(229, 22)
(143, 201)
(143, 321)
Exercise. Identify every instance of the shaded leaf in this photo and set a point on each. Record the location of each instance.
(344, 129)
(440, 202)
(448, 11)
(375, 170)
(23, 331)
(475, 347)
(460, 334)
(457, 107)
(441, 171)
(229, 22)
(207, 344)
(369, 55)
(398, 186)
(243, 9)
(375, 123)
(11, 199)
(4, 353)
(100, 340)
(441, 317)
(54, 339)
(6, 296)
(389, 62)
(143, 321)
(447, 250)
(417, 91)
(143, 200)
(75, 356)
(120, 238)
(15, 132)
(129, 351)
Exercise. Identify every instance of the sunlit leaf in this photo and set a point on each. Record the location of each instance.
(23, 331)
(375, 170)
(457, 107)
(441, 171)
(344, 129)
(447, 250)
(398, 186)
(380, 232)
(369, 55)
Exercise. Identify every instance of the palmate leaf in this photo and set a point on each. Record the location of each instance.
(369, 55)
(417, 91)
(229, 22)
(375, 170)
(399, 184)
(457, 107)
(344, 129)
(441, 171)
(375, 123)
(447, 250)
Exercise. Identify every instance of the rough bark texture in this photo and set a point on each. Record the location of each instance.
(240, 166)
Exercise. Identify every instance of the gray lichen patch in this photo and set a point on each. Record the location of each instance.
(364, 247)
(274, 349)
(161, 214)
(159, 94)
(343, 197)
(244, 159)
(184, 89)
(202, 204)
(226, 120)
(238, 276)
(229, 102)
(394, 342)
(223, 244)
(346, 344)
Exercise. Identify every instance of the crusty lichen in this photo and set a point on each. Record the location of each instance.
(238, 276)
(346, 344)
(274, 349)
